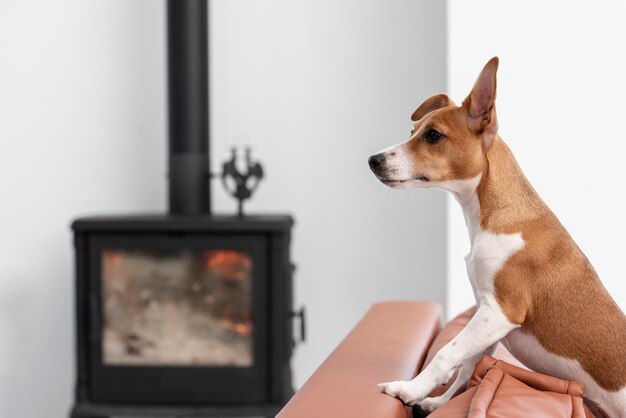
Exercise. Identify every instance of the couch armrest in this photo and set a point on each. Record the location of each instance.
(389, 343)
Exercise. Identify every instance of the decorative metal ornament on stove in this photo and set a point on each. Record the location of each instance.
(245, 183)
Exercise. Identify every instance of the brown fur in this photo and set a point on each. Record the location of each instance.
(452, 158)
(549, 287)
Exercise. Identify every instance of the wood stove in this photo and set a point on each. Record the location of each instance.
(185, 314)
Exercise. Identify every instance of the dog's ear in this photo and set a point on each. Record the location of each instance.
(432, 103)
(481, 104)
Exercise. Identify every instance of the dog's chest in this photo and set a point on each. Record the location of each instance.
(488, 255)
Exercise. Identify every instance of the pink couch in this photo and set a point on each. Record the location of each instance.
(394, 341)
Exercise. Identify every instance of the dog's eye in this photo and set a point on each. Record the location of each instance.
(431, 136)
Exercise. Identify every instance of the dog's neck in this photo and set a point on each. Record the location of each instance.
(465, 192)
(499, 198)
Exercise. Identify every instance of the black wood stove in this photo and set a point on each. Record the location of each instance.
(186, 314)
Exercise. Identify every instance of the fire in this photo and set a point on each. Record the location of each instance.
(241, 328)
(112, 258)
(229, 264)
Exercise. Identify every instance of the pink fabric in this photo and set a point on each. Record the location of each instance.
(501, 390)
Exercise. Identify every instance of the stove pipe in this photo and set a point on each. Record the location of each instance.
(188, 79)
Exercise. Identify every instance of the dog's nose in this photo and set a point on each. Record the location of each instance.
(376, 160)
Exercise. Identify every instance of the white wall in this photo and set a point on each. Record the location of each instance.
(314, 86)
(82, 130)
(561, 89)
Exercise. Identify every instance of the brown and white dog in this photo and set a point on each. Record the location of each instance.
(536, 291)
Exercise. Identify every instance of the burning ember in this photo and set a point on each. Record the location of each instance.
(239, 327)
(230, 265)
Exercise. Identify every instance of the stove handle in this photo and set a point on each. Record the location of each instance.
(300, 314)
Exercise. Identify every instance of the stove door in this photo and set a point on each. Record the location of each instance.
(178, 318)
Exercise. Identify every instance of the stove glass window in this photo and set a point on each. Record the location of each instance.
(178, 308)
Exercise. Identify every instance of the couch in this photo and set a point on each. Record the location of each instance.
(394, 341)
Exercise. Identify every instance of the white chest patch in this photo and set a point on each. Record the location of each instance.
(488, 255)
(489, 251)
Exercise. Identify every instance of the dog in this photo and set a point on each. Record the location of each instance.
(535, 290)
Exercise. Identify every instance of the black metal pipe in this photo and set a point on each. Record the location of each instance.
(188, 90)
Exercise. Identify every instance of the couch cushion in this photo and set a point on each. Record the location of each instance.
(390, 343)
(537, 380)
(498, 389)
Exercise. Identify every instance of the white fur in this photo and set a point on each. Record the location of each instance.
(399, 162)
(488, 254)
(486, 328)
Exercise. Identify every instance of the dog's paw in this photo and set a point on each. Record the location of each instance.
(430, 404)
(405, 391)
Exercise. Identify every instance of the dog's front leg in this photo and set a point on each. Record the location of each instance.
(487, 327)
(465, 372)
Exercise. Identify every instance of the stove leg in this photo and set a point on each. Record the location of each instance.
(89, 416)
(75, 415)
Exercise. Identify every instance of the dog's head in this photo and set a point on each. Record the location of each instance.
(448, 142)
